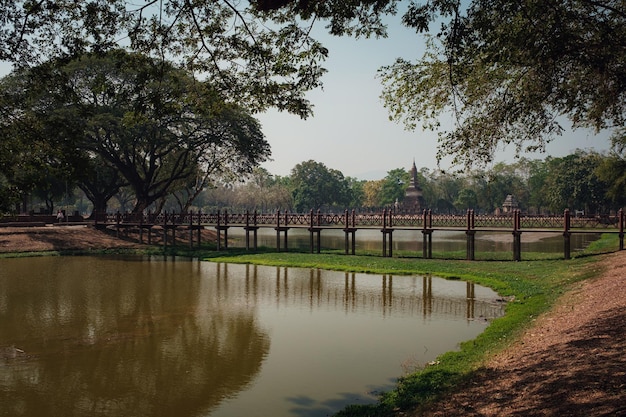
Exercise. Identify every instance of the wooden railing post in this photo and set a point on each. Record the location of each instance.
(247, 229)
(164, 226)
(200, 227)
(150, 221)
(219, 230)
(622, 220)
(567, 234)
(384, 231)
(471, 236)
(517, 236)
(225, 229)
(278, 231)
(427, 234)
(311, 225)
(286, 242)
(118, 219)
(346, 226)
(255, 241)
(190, 227)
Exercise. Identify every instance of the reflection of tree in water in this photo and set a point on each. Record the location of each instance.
(160, 350)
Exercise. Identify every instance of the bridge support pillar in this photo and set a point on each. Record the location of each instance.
(315, 231)
(387, 243)
(621, 221)
(517, 246)
(471, 245)
(286, 241)
(350, 232)
(471, 237)
(427, 244)
(254, 230)
(567, 244)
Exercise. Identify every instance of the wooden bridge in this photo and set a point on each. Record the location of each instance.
(350, 222)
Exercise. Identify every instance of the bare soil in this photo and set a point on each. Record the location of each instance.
(82, 237)
(571, 362)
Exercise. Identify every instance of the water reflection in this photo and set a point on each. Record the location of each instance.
(140, 337)
(103, 338)
(412, 241)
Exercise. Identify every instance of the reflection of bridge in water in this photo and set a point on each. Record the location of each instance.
(310, 288)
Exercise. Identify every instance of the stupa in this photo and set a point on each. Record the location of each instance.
(413, 198)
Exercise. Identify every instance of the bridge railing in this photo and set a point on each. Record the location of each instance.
(387, 219)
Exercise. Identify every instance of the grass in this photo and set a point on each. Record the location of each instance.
(534, 285)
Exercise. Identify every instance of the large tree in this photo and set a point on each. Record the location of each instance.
(508, 70)
(394, 187)
(314, 185)
(152, 122)
(28, 163)
(572, 183)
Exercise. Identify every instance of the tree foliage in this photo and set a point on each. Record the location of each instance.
(612, 171)
(314, 185)
(393, 187)
(154, 124)
(573, 183)
(259, 54)
(509, 70)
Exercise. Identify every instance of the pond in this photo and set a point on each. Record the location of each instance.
(139, 336)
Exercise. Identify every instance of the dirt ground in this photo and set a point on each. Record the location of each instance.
(571, 362)
(81, 237)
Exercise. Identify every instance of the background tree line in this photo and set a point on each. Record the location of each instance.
(584, 180)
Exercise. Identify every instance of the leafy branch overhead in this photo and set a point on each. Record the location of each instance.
(510, 72)
(259, 57)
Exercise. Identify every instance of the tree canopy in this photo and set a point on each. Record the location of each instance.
(314, 185)
(509, 71)
(258, 53)
(152, 123)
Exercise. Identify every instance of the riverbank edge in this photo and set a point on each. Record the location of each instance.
(530, 289)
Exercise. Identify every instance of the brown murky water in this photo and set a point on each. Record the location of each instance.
(132, 336)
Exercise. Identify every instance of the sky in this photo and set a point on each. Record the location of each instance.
(350, 130)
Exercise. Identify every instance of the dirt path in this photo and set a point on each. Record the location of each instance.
(571, 363)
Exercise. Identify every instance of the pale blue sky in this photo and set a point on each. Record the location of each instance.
(350, 130)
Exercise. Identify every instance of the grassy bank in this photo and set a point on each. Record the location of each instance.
(533, 286)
